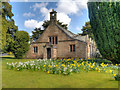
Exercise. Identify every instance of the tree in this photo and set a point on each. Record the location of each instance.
(46, 24)
(105, 23)
(87, 30)
(37, 31)
(20, 45)
(8, 26)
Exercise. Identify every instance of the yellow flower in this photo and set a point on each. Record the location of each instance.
(56, 65)
(116, 64)
(43, 65)
(48, 72)
(119, 64)
(91, 66)
(98, 70)
(110, 71)
(74, 65)
(106, 71)
(114, 74)
(49, 66)
(81, 59)
(74, 61)
(95, 68)
(111, 64)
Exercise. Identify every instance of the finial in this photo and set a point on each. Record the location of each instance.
(52, 10)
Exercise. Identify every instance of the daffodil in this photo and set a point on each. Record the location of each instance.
(43, 65)
(48, 72)
(110, 71)
(95, 68)
(114, 75)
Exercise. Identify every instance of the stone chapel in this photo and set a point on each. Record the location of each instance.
(57, 42)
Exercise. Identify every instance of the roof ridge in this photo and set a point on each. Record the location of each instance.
(66, 31)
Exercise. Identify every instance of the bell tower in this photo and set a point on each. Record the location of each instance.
(53, 16)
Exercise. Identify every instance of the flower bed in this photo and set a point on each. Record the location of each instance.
(63, 66)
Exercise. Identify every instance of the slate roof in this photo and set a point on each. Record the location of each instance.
(72, 35)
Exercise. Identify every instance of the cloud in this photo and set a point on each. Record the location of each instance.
(45, 13)
(64, 18)
(71, 6)
(33, 24)
(63, 8)
(28, 14)
(78, 28)
(30, 34)
(39, 5)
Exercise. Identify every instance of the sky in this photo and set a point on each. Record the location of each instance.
(28, 15)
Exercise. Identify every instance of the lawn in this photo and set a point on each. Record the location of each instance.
(40, 79)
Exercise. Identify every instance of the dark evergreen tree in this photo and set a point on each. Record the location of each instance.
(46, 24)
(105, 23)
(87, 30)
(36, 33)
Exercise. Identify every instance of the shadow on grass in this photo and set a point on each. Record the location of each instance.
(8, 58)
(112, 80)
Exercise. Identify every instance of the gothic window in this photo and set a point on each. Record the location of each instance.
(53, 40)
(56, 40)
(35, 49)
(50, 40)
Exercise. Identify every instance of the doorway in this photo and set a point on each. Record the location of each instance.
(48, 53)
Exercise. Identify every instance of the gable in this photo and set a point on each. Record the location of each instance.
(54, 30)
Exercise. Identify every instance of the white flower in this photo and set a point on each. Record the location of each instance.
(38, 67)
(71, 70)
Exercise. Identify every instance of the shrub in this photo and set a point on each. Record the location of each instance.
(21, 44)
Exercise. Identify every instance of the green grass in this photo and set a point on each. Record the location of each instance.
(40, 79)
